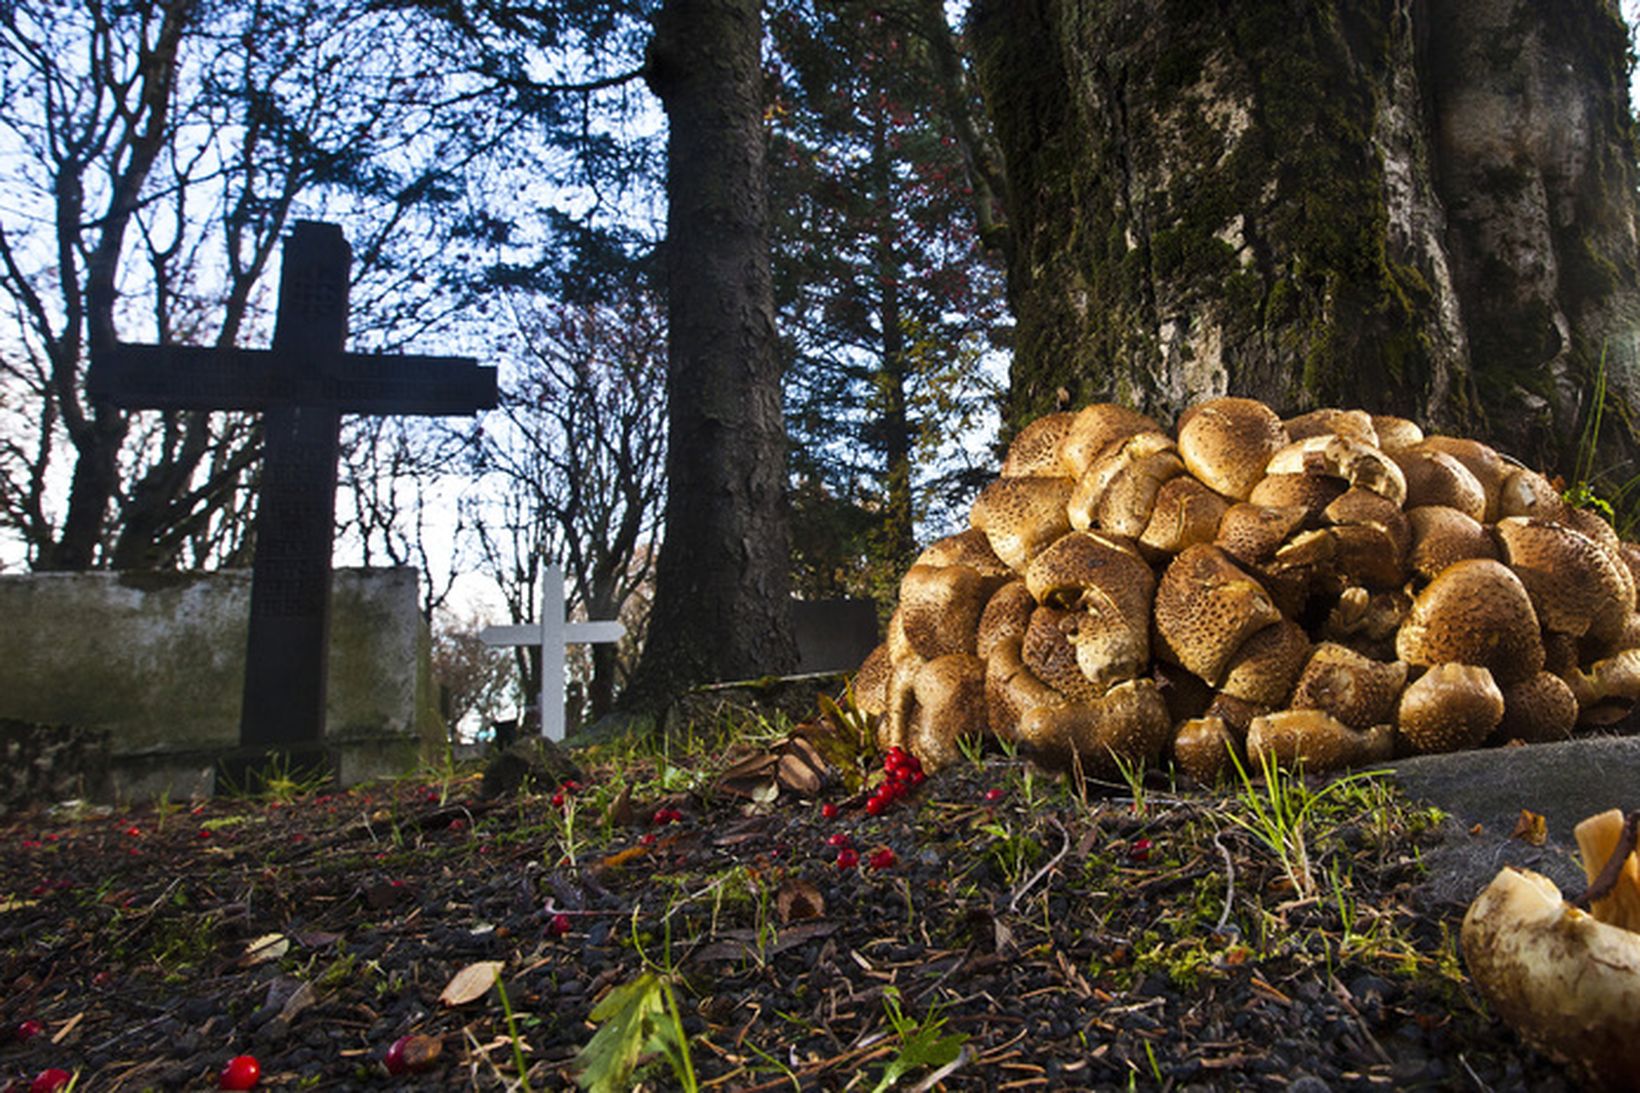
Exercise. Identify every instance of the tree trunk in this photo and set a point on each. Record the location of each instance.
(1423, 207)
(722, 580)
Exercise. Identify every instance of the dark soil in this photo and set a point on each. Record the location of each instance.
(1071, 944)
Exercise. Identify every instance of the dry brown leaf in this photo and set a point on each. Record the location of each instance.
(622, 857)
(1531, 828)
(621, 813)
(471, 982)
(797, 899)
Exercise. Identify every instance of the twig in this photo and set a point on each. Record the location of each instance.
(1602, 885)
(1065, 848)
(1229, 884)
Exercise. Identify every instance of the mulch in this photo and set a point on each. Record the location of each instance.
(1043, 940)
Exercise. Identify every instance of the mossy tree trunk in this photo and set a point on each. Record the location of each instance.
(722, 580)
(1423, 207)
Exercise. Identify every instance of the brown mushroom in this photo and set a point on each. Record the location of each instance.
(1006, 615)
(1474, 612)
(1355, 424)
(1202, 747)
(1118, 492)
(1310, 492)
(1357, 690)
(949, 694)
(1577, 586)
(1186, 513)
(1536, 711)
(940, 608)
(1396, 433)
(1489, 468)
(1205, 607)
(1226, 443)
(1011, 689)
(1339, 457)
(870, 683)
(970, 548)
(1251, 534)
(1095, 428)
(1020, 516)
(1436, 478)
(1450, 707)
(1127, 723)
(1527, 493)
(1035, 450)
(1443, 536)
(1314, 740)
(1263, 670)
(1607, 689)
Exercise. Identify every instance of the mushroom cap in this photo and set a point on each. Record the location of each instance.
(1186, 513)
(1436, 478)
(1577, 586)
(1567, 982)
(1354, 424)
(1527, 493)
(940, 608)
(970, 548)
(894, 729)
(1592, 524)
(1011, 689)
(1082, 567)
(1202, 747)
(1226, 443)
(870, 683)
(1251, 534)
(1314, 740)
(1049, 651)
(1020, 516)
(1489, 468)
(1630, 553)
(1607, 689)
(1450, 707)
(1117, 492)
(1339, 457)
(1236, 713)
(950, 703)
(1310, 492)
(1128, 722)
(1367, 620)
(1205, 607)
(1396, 433)
(1443, 536)
(1537, 710)
(1095, 428)
(1035, 449)
(1475, 612)
(1007, 613)
(1264, 669)
(1357, 690)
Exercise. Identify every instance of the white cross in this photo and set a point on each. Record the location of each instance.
(550, 635)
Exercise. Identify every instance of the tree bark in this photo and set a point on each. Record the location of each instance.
(722, 581)
(1423, 207)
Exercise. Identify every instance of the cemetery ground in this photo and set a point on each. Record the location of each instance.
(992, 928)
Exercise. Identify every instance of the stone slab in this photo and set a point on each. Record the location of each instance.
(1565, 783)
(156, 662)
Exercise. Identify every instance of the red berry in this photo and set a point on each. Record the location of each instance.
(394, 1059)
(995, 794)
(837, 838)
(895, 754)
(848, 858)
(876, 804)
(1140, 850)
(557, 800)
(411, 1052)
(882, 859)
(829, 810)
(27, 1030)
(570, 786)
(50, 1080)
(242, 1072)
(647, 838)
(457, 824)
(560, 925)
(661, 816)
(917, 776)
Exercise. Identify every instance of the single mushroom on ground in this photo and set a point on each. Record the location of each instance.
(1563, 977)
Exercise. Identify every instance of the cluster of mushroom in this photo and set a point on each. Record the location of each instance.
(1327, 590)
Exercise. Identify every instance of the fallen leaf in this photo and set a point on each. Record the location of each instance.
(620, 812)
(471, 982)
(1531, 828)
(622, 857)
(300, 999)
(263, 949)
(797, 899)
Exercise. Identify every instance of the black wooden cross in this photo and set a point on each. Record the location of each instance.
(302, 386)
